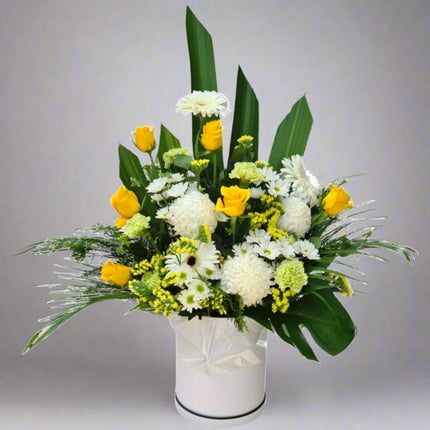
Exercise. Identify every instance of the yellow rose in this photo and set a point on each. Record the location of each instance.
(144, 138)
(212, 135)
(336, 201)
(115, 273)
(233, 200)
(125, 202)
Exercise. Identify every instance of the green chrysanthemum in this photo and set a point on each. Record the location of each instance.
(291, 274)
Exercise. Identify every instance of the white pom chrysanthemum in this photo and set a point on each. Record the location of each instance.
(297, 216)
(204, 103)
(248, 276)
(189, 212)
(304, 184)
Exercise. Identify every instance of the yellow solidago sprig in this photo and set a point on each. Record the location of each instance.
(281, 301)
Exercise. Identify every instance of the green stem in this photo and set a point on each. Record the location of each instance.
(215, 168)
(196, 143)
(233, 220)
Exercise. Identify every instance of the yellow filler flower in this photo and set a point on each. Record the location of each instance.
(336, 201)
(115, 273)
(233, 200)
(144, 138)
(126, 203)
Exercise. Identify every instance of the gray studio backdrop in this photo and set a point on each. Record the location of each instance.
(77, 76)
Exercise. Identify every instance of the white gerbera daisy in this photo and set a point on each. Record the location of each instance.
(297, 216)
(307, 249)
(204, 103)
(203, 262)
(189, 212)
(248, 276)
(156, 185)
(304, 184)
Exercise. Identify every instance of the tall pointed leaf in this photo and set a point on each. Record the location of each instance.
(292, 134)
(245, 120)
(167, 141)
(202, 65)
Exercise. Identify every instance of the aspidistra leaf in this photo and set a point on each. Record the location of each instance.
(246, 116)
(292, 134)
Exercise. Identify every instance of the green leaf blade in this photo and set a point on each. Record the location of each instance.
(246, 116)
(292, 134)
(167, 142)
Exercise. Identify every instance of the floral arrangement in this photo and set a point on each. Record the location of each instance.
(198, 236)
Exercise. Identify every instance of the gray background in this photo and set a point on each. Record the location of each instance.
(76, 77)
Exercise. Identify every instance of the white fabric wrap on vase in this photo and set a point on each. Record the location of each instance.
(220, 372)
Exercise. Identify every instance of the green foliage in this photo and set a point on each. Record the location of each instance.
(292, 134)
(246, 118)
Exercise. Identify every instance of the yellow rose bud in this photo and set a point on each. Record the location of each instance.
(212, 135)
(336, 201)
(121, 222)
(144, 138)
(115, 273)
(233, 200)
(125, 202)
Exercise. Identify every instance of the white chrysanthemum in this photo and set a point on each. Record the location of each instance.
(258, 236)
(256, 192)
(285, 248)
(204, 103)
(278, 187)
(248, 276)
(297, 216)
(200, 289)
(304, 184)
(156, 185)
(162, 213)
(157, 197)
(189, 212)
(189, 300)
(270, 175)
(243, 248)
(176, 177)
(269, 250)
(307, 249)
(177, 190)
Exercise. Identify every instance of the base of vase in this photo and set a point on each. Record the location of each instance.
(219, 421)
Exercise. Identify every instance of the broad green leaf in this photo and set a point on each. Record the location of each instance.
(292, 134)
(245, 120)
(167, 141)
(326, 319)
(130, 171)
(203, 73)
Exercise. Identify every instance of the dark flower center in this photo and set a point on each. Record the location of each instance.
(191, 260)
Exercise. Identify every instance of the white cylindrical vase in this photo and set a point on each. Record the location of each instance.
(220, 372)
